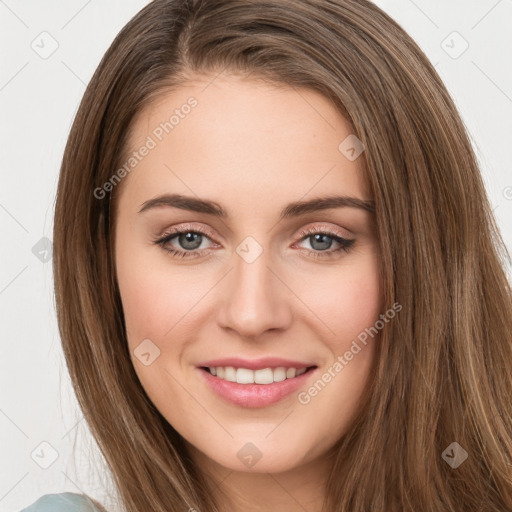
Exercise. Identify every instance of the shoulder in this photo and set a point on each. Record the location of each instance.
(63, 502)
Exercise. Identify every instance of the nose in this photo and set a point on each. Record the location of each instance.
(255, 298)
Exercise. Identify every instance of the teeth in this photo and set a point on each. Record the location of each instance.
(279, 374)
(244, 376)
(230, 374)
(263, 376)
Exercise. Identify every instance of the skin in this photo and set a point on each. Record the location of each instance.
(252, 147)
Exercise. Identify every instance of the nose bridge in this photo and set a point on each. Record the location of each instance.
(252, 278)
(255, 299)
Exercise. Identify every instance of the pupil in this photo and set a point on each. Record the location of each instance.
(319, 242)
(190, 240)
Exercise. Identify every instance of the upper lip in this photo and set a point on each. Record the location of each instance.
(256, 364)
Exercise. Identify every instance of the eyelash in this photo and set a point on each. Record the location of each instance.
(345, 244)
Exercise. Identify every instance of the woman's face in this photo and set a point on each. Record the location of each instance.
(266, 279)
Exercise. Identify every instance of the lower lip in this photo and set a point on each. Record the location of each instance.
(254, 395)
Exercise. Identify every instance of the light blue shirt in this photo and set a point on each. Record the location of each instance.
(62, 502)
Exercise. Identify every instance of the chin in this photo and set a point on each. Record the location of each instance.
(258, 454)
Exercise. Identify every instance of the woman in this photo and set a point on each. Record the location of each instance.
(279, 283)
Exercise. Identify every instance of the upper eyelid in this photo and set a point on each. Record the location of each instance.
(323, 229)
(183, 229)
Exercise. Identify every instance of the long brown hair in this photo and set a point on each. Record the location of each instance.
(443, 366)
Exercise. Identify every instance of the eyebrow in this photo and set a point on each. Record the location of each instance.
(294, 209)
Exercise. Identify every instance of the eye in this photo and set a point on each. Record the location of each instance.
(189, 242)
(184, 242)
(321, 240)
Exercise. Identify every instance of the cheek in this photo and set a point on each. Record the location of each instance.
(357, 303)
(154, 294)
(144, 305)
(349, 307)
(345, 301)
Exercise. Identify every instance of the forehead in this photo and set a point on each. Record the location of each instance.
(247, 139)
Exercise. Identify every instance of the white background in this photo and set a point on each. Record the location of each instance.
(39, 98)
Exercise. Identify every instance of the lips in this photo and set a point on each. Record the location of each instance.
(247, 383)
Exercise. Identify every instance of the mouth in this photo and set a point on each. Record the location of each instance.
(252, 388)
(263, 376)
